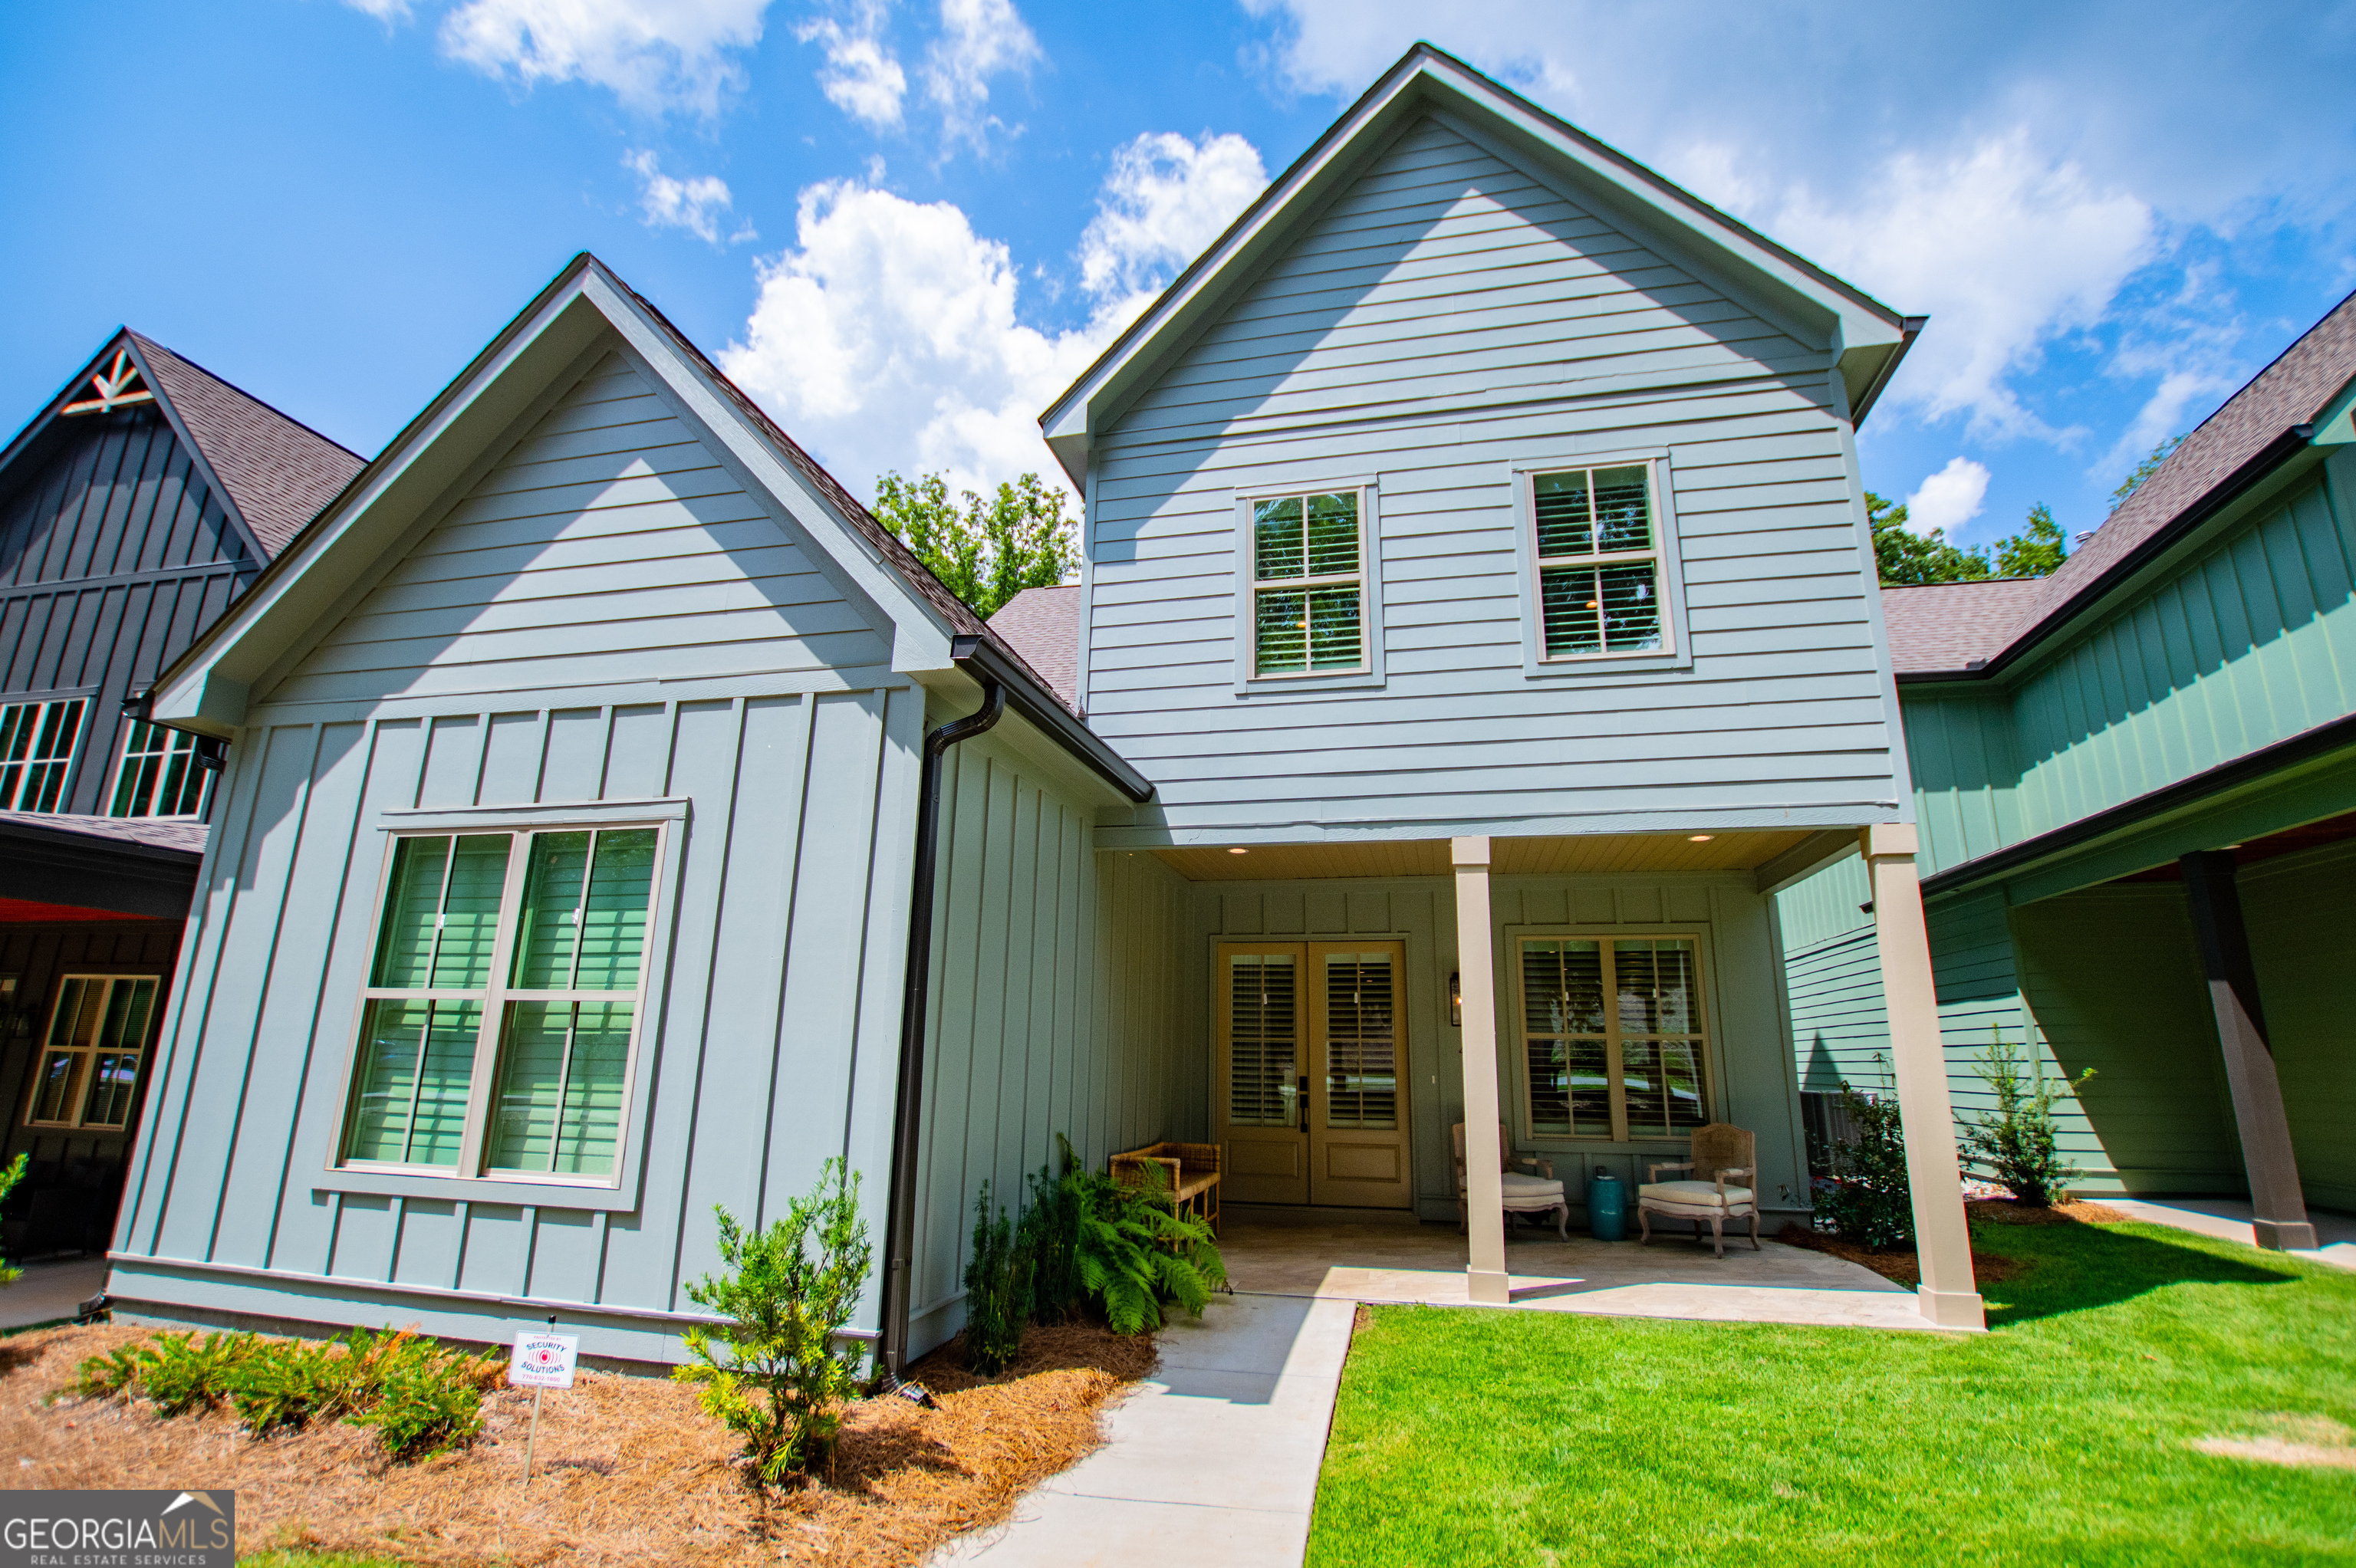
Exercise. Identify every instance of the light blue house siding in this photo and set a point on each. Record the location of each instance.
(1450, 316)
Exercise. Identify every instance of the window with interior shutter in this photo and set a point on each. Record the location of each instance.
(1361, 1047)
(1613, 1035)
(1264, 1002)
(1308, 584)
(1598, 546)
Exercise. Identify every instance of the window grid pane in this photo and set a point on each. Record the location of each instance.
(1589, 601)
(1278, 550)
(36, 745)
(1361, 1047)
(97, 1036)
(1563, 1028)
(160, 776)
(1262, 1087)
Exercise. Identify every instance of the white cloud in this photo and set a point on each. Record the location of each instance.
(890, 336)
(697, 204)
(1948, 499)
(653, 55)
(385, 10)
(1164, 199)
(861, 77)
(979, 39)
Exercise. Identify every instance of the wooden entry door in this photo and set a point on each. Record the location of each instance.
(1313, 1074)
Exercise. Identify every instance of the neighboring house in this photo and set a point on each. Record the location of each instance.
(134, 509)
(2136, 782)
(1474, 544)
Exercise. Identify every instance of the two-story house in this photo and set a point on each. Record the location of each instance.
(1477, 627)
(134, 506)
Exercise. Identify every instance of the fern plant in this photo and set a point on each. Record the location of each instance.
(1133, 1253)
(772, 1371)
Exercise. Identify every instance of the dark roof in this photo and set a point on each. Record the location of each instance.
(1042, 624)
(1948, 626)
(278, 473)
(897, 556)
(177, 834)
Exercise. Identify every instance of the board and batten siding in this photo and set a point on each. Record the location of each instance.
(1445, 317)
(2251, 643)
(1055, 1011)
(605, 617)
(114, 553)
(1751, 1081)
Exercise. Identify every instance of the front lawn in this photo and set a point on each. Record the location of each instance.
(2066, 1435)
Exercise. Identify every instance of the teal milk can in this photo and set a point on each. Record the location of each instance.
(1607, 1206)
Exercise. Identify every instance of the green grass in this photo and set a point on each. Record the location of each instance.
(1469, 1437)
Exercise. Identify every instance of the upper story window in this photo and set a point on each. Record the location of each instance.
(90, 1058)
(37, 749)
(159, 775)
(1308, 584)
(1612, 1032)
(1599, 560)
(504, 1004)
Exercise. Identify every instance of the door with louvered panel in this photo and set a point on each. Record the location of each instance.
(1313, 1074)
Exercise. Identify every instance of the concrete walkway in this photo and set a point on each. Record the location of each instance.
(2228, 1220)
(50, 1291)
(1214, 1459)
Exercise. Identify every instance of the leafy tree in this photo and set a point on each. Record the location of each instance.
(1906, 559)
(985, 551)
(2145, 470)
(2036, 550)
(771, 1370)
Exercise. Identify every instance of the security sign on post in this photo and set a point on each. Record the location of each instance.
(542, 1360)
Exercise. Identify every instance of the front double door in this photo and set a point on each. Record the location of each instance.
(1313, 1074)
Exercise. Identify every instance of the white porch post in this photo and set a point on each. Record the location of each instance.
(1484, 1199)
(1948, 1294)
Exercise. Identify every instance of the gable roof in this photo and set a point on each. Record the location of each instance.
(1867, 337)
(333, 556)
(272, 472)
(2269, 420)
(1042, 624)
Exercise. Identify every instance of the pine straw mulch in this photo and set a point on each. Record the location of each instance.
(1903, 1268)
(627, 1470)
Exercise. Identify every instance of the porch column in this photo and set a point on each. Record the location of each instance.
(2277, 1207)
(1484, 1196)
(1948, 1296)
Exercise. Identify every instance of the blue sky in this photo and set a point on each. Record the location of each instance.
(905, 226)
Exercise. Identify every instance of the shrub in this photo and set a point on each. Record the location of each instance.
(772, 1373)
(10, 1174)
(421, 1397)
(1867, 1197)
(998, 1290)
(2016, 1144)
(1049, 1235)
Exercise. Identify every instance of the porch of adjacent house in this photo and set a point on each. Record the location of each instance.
(1340, 1007)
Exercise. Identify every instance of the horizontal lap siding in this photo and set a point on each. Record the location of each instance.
(1440, 291)
(787, 856)
(114, 553)
(609, 545)
(1054, 1008)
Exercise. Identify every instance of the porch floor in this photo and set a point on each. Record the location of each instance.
(1673, 1278)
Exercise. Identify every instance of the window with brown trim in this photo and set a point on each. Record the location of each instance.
(1614, 1035)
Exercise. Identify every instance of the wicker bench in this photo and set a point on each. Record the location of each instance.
(1190, 1172)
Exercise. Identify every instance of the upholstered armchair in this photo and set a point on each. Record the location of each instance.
(1533, 1192)
(1725, 1167)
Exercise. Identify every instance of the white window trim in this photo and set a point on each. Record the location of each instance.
(1677, 651)
(123, 762)
(1247, 680)
(142, 1051)
(471, 1182)
(87, 698)
(1713, 1031)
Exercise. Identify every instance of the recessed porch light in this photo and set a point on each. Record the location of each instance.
(1700, 838)
(1238, 851)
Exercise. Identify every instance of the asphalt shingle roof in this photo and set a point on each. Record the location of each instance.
(1042, 624)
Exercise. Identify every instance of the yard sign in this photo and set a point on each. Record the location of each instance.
(543, 1360)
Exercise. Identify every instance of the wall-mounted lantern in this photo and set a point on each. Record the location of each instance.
(1456, 1000)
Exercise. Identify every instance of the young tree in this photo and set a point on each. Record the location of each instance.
(984, 551)
(1906, 559)
(2036, 550)
(2145, 470)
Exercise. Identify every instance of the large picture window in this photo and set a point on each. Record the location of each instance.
(36, 750)
(91, 1055)
(1308, 584)
(504, 1002)
(1615, 1037)
(1598, 546)
(159, 775)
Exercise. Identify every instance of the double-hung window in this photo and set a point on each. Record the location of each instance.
(1614, 1035)
(36, 750)
(159, 775)
(505, 1000)
(1599, 549)
(89, 1058)
(1309, 601)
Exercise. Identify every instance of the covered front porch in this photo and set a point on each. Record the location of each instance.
(1629, 990)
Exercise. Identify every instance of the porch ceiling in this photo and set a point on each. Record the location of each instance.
(1587, 854)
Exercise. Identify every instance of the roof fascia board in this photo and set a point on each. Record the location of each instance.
(2335, 424)
(920, 637)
